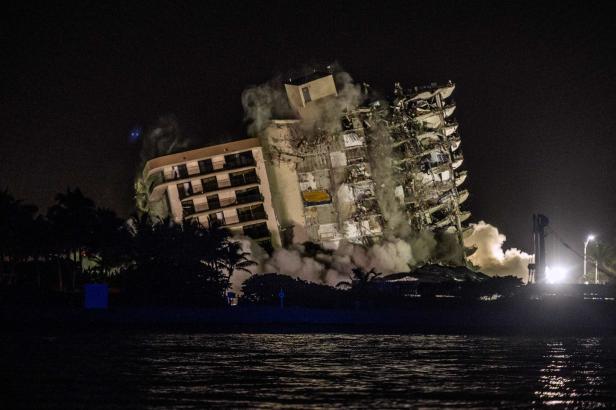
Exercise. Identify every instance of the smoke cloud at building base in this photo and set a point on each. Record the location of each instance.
(392, 255)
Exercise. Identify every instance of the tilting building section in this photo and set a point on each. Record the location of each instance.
(309, 176)
(220, 186)
(319, 169)
(427, 158)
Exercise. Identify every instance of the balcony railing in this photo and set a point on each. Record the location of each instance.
(185, 193)
(257, 231)
(239, 163)
(209, 187)
(224, 183)
(252, 216)
(245, 199)
(245, 179)
(159, 178)
(235, 219)
(226, 203)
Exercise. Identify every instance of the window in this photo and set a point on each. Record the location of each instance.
(216, 219)
(188, 208)
(245, 196)
(213, 202)
(205, 166)
(179, 171)
(243, 159)
(184, 190)
(209, 184)
(257, 231)
(243, 178)
(251, 213)
(306, 94)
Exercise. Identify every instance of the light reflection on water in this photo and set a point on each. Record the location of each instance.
(573, 374)
(307, 371)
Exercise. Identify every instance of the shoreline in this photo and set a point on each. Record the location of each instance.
(509, 317)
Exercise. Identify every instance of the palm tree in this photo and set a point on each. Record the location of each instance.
(359, 280)
(72, 218)
(233, 258)
(605, 255)
(108, 246)
(16, 227)
(179, 263)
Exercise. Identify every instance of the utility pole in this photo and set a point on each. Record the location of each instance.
(588, 239)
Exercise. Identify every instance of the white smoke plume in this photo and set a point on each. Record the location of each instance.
(390, 256)
(164, 138)
(263, 103)
(381, 156)
(490, 257)
(324, 114)
(331, 267)
(269, 101)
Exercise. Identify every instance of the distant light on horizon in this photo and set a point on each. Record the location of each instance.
(556, 274)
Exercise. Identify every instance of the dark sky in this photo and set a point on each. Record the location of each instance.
(536, 91)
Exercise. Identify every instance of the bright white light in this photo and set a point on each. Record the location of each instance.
(591, 238)
(556, 274)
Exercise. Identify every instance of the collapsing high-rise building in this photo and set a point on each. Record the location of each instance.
(427, 157)
(336, 167)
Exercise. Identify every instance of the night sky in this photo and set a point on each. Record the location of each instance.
(536, 91)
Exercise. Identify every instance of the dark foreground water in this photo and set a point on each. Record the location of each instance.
(140, 370)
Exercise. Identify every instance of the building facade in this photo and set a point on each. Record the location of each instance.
(427, 158)
(323, 164)
(224, 185)
(333, 171)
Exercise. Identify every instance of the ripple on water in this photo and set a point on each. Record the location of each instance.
(307, 370)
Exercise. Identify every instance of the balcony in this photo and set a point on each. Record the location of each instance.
(244, 179)
(246, 199)
(223, 203)
(212, 186)
(240, 163)
(185, 193)
(253, 216)
(188, 209)
(204, 169)
(257, 231)
(209, 185)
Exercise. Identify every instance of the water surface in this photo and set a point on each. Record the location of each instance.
(140, 370)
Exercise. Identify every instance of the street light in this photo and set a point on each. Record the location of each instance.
(590, 238)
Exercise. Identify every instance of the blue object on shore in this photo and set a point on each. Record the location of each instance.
(281, 296)
(96, 296)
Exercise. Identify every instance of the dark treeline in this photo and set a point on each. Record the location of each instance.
(368, 290)
(48, 257)
(75, 242)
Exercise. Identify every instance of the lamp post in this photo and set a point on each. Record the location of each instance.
(590, 238)
(596, 272)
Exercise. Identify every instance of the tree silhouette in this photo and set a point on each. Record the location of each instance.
(72, 219)
(605, 255)
(181, 263)
(17, 222)
(359, 280)
(109, 245)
